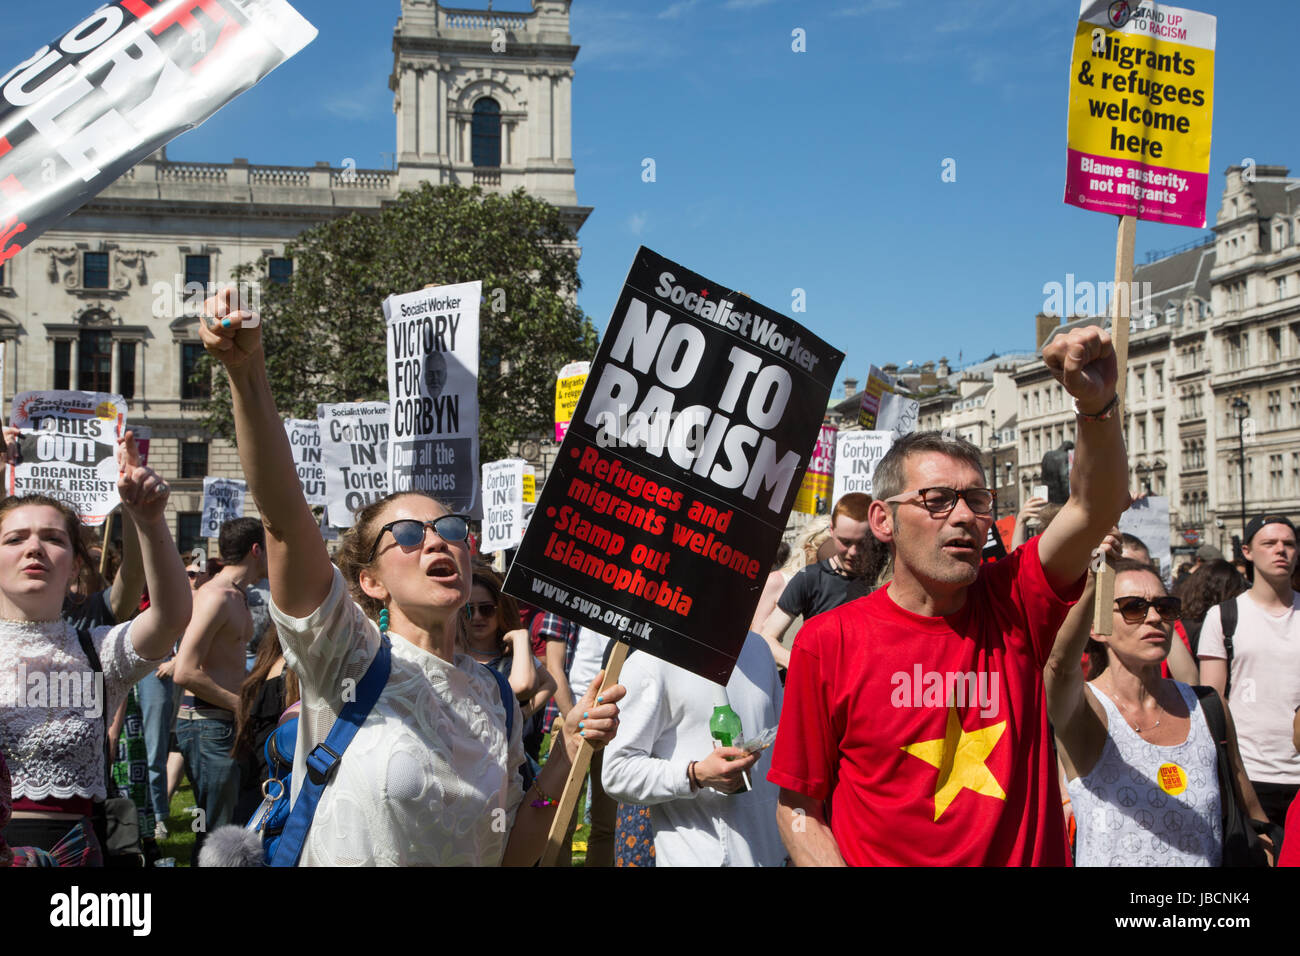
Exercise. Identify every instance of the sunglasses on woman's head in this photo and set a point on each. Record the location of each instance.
(409, 532)
(1134, 609)
(482, 609)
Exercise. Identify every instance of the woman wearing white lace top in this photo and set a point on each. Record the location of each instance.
(430, 778)
(1138, 754)
(52, 705)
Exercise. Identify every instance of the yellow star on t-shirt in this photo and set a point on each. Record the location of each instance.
(960, 756)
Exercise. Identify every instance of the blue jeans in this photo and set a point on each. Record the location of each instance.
(205, 745)
(158, 713)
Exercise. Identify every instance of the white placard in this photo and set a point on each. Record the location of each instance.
(433, 392)
(308, 458)
(1148, 519)
(67, 449)
(857, 453)
(223, 500)
(898, 414)
(354, 446)
(503, 504)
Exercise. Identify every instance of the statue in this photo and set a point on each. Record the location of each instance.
(1056, 473)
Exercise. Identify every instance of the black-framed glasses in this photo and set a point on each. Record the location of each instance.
(940, 501)
(1134, 609)
(482, 609)
(409, 532)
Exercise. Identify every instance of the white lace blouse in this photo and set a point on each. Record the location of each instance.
(429, 779)
(52, 707)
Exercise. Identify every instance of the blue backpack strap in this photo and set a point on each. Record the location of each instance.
(507, 700)
(527, 771)
(323, 760)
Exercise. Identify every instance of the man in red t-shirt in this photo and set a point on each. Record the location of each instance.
(918, 712)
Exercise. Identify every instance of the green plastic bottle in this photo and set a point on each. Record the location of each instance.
(724, 725)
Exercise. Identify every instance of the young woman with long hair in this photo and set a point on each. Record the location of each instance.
(1208, 586)
(495, 637)
(55, 745)
(430, 777)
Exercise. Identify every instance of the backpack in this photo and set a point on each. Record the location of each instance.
(116, 820)
(1241, 843)
(283, 828)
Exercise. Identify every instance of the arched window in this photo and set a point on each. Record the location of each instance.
(486, 134)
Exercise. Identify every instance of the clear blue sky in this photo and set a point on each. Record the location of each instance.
(775, 170)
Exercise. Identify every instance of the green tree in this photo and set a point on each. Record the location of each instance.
(324, 335)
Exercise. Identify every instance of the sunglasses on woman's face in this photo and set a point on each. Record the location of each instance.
(1134, 609)
(482, 609)
(409, 532)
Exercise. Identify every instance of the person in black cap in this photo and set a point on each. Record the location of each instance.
(1250, 652)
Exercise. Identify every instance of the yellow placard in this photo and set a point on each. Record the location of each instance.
(1141, 98)
(1141, 111)
(567, 393)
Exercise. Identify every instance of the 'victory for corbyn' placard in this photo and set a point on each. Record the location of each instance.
(433, 388)
(660, 519)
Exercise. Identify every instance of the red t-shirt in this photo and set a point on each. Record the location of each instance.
(866, 722)
(1290, 855)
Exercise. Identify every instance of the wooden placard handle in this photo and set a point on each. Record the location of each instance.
(103, 550)
(1126, 235)
(581, 763)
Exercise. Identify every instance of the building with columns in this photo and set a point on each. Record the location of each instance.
(485, 99)
(99, 303)
(1213, 371)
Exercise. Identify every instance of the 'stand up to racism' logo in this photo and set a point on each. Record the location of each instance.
(1119, 13)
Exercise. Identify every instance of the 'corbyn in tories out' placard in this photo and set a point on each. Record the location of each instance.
(662, 515)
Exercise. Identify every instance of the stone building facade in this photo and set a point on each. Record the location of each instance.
(100, 302)
(1214, 368)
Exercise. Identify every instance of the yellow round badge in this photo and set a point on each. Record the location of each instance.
(106, 410)
(1172, 779)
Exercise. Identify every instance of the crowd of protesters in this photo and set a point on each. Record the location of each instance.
(955, 710)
